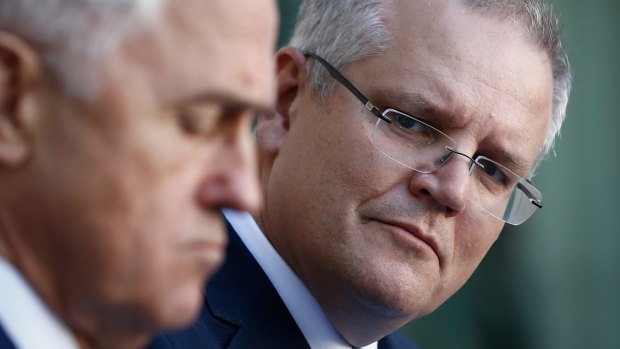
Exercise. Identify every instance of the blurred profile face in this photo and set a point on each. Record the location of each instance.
(367, 235)
(119, 202)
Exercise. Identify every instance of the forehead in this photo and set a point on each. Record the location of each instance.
(222, 46)
(475, 77)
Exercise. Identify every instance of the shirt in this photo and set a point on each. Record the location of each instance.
(25, 318)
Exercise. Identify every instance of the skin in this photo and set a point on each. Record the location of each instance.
(110, 207)
(376, 243)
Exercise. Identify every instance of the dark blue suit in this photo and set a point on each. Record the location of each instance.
(243, 310)
(5, 342)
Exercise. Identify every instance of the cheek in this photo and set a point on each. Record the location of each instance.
(147, 258)
(327, 169)
(145, 206)
(350, 163)
(472, 242)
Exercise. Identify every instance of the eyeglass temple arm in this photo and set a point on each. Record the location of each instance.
(336, 75)
(529, 194)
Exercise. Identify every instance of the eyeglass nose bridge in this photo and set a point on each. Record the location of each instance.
(451, 151)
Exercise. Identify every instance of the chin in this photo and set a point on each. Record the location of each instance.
(401, 296)
(179, 309)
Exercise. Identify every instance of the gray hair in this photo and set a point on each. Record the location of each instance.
(345, 31)
(340, 31)
(74, 36)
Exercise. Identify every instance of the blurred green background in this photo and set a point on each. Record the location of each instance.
(553, 282)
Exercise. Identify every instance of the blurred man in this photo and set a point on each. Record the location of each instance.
(124, 128)
(406, 137)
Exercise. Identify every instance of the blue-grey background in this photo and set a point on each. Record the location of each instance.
(553, 282)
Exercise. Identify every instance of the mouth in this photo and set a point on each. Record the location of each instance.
(207, 256)
(208, 250)
(414, 233)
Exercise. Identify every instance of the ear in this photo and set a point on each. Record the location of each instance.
(272, 129)
(19, 68)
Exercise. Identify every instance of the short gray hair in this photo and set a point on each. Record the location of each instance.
(345, 31)
(340, 31)
(72, 36)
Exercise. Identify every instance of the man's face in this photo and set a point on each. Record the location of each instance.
(364, 232)
(119, 202)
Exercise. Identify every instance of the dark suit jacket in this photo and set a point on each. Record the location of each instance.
(5, 342)
(243, 310)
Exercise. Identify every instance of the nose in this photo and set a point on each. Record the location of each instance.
(232, 181)
(447, 186)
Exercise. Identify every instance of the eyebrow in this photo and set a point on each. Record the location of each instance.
(415, 101)
(512, 161)
(418, 105)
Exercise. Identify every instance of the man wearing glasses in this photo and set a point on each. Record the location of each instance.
(406, 137)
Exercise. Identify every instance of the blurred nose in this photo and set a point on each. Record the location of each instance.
(233, 177)
(446, 187)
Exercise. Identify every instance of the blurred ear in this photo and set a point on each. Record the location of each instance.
(19, 67)
(273, 129)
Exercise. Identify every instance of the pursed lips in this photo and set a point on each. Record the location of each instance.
(418, 233)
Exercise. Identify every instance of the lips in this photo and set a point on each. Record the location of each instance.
(209, 255)
(418, 233)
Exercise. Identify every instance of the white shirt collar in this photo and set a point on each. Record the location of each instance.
(24, 316)
(305, 310)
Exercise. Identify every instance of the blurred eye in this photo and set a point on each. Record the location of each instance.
(200, 120)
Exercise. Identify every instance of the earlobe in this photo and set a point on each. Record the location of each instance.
(18, 68)
(272, 129)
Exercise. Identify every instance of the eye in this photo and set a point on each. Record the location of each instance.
(417, 132)
(494, 171)
(410, 124)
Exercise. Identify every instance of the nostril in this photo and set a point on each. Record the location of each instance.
(450, 212)
(424, 192)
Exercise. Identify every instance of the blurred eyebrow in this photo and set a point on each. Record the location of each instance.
(227, 101)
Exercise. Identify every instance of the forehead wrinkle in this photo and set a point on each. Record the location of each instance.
(511, 96)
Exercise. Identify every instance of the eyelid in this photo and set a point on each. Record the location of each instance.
(415, 116)
(200, 119)
(508, 171)
(509, 162)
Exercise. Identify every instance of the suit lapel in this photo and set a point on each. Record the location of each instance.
(242, 296)
(5, 342)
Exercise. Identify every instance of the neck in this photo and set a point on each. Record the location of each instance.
(92, 329)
